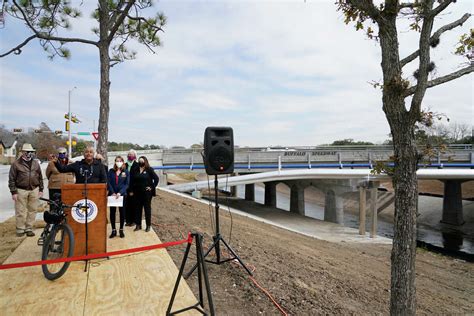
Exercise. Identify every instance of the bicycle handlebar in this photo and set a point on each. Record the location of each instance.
(60, 204)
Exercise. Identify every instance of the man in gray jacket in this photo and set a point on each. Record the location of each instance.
(26, 186)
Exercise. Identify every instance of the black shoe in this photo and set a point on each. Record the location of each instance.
(138, 227)
(30, 233)
(147, 229)
(114, 233)
(121, 233)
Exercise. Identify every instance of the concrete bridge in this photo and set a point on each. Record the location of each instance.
(337, 183)
(258, 159)
(335, 170)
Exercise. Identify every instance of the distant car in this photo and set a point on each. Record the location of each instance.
(279, 148)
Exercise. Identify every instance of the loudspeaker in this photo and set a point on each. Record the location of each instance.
(219, 150)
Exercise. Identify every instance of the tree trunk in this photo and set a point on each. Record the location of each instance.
(403, 291)
(104, 78)
(104, 100)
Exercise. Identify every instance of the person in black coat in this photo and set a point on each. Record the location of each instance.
(145, 181)
(130, 205)
(90, 167)
(117, 185)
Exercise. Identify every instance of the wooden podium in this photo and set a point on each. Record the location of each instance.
(74, 194)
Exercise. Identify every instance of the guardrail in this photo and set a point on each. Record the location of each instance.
(313, 166)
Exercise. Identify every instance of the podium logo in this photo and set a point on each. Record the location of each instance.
(79, 211)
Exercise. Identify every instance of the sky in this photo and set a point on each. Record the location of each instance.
(287, 73)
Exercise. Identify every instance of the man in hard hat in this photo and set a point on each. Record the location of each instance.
(55, 178)
(26, 186)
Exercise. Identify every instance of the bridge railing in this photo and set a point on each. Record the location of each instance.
(456, 153)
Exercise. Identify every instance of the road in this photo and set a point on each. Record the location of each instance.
(7, 208)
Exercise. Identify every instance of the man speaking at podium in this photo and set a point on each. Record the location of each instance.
(88, 167)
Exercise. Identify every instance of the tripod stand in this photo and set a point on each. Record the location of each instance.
(217, 240)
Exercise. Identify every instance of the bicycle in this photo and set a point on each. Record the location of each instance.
(56, 239)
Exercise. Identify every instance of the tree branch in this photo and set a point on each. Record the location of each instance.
(436, 36)
(17, 50)
(424, 44)
(440, 80)
(443, 5)
(49, 37)
(408, 5)
(119, 21)
(366, 6)
(116, 12)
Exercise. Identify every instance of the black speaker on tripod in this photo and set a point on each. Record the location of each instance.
(218, 159)
(219, 150)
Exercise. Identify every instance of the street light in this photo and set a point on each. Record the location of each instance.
(69, 121)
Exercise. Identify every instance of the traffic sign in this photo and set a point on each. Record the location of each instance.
(38, 131)
(17, 130)
(58, 132)
(83, 133)
(96, 135)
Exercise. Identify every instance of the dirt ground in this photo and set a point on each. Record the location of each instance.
(307, 276)
(436, 187)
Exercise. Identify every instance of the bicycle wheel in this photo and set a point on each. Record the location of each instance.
(54, 247)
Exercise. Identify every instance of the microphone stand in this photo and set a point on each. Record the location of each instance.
(86, 173)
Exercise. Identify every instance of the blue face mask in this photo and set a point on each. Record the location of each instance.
(62, 156)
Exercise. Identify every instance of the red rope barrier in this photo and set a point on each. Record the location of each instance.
(97, 255)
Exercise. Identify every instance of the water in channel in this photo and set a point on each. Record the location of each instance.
(431, 234)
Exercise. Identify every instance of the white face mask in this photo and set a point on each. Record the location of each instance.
(119, 164)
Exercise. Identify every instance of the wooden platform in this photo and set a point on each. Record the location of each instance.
(138, 284)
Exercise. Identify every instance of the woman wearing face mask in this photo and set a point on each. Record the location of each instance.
(145, 181)
(117, 185)
(55, 178)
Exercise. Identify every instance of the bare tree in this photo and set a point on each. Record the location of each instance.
(118, 21)
(380, 23)
(458, 131)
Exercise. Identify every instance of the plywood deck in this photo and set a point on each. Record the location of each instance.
(138, 284)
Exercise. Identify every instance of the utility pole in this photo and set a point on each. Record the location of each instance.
(95, 141)
(69, 122)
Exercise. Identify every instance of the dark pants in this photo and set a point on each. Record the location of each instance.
(130, 209)
(143, 201)
(52, 192)
(113, 210)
